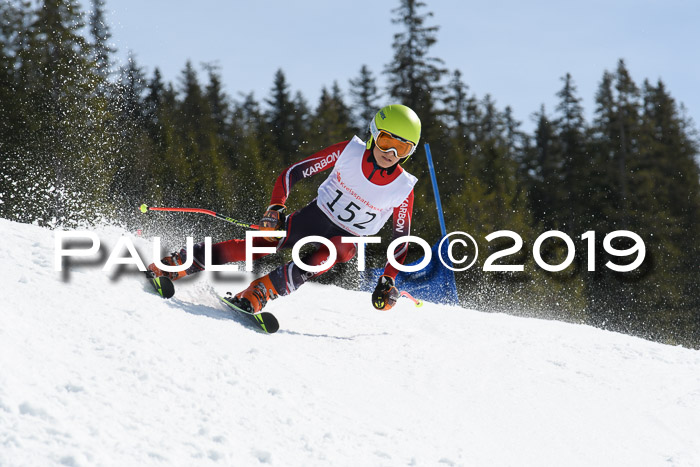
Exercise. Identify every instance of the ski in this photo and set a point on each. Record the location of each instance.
(162, 285)
(264, 321)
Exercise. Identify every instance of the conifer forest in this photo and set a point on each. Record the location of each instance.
(84, 140)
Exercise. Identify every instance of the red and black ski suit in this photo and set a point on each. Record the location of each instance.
(311, 220)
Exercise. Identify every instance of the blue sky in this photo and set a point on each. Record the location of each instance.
(516, 51)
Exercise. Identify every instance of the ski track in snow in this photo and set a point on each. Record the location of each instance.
(97, 370)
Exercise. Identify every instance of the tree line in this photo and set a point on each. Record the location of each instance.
(83, 140)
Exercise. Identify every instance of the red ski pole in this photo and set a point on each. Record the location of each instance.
(145, 208)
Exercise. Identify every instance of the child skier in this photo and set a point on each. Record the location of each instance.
(366, 186)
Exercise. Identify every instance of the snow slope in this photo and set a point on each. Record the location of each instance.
(96, 370)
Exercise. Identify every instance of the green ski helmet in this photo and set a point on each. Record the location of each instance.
(400, 122)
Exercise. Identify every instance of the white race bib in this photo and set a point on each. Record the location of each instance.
(354, 203)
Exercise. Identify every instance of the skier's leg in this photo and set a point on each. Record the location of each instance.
(232, 251)
(229, 251)
(308, 221)
(290, 277)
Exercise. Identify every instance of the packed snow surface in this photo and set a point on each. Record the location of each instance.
(95, 369)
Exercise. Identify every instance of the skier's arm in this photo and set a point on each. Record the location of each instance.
(386, 293)
(318, 162)
(402, 227)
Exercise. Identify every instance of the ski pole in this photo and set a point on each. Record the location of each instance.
(145, 208)
(419, 303)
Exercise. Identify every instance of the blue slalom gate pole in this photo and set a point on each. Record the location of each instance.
(441, 218)
(433, 179)
(435, 282)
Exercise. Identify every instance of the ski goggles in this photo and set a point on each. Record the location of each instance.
(389, 142)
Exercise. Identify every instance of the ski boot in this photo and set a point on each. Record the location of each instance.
(175, 259)
(255, 297)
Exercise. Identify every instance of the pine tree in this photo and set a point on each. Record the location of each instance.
(665, 208)
(13, 26)
(63, 117)
(542, 170)
(128, 136)
(602, 152)
(193, 105)
(638, 144)
(217, 99)
(14, 22)
(280, 118)
(301, 126)
(413, 75)
(513, 136)
(365, 96)
(331, 122)
(153, 105)
(159, 125)
(102, 49)
(253, 166)
(132, 91)
(201, 148)
(490, 156)
(576, 168)
(626, 132)
(458, 109)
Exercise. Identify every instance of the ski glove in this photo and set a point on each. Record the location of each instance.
(273, 219)
(385, 294)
